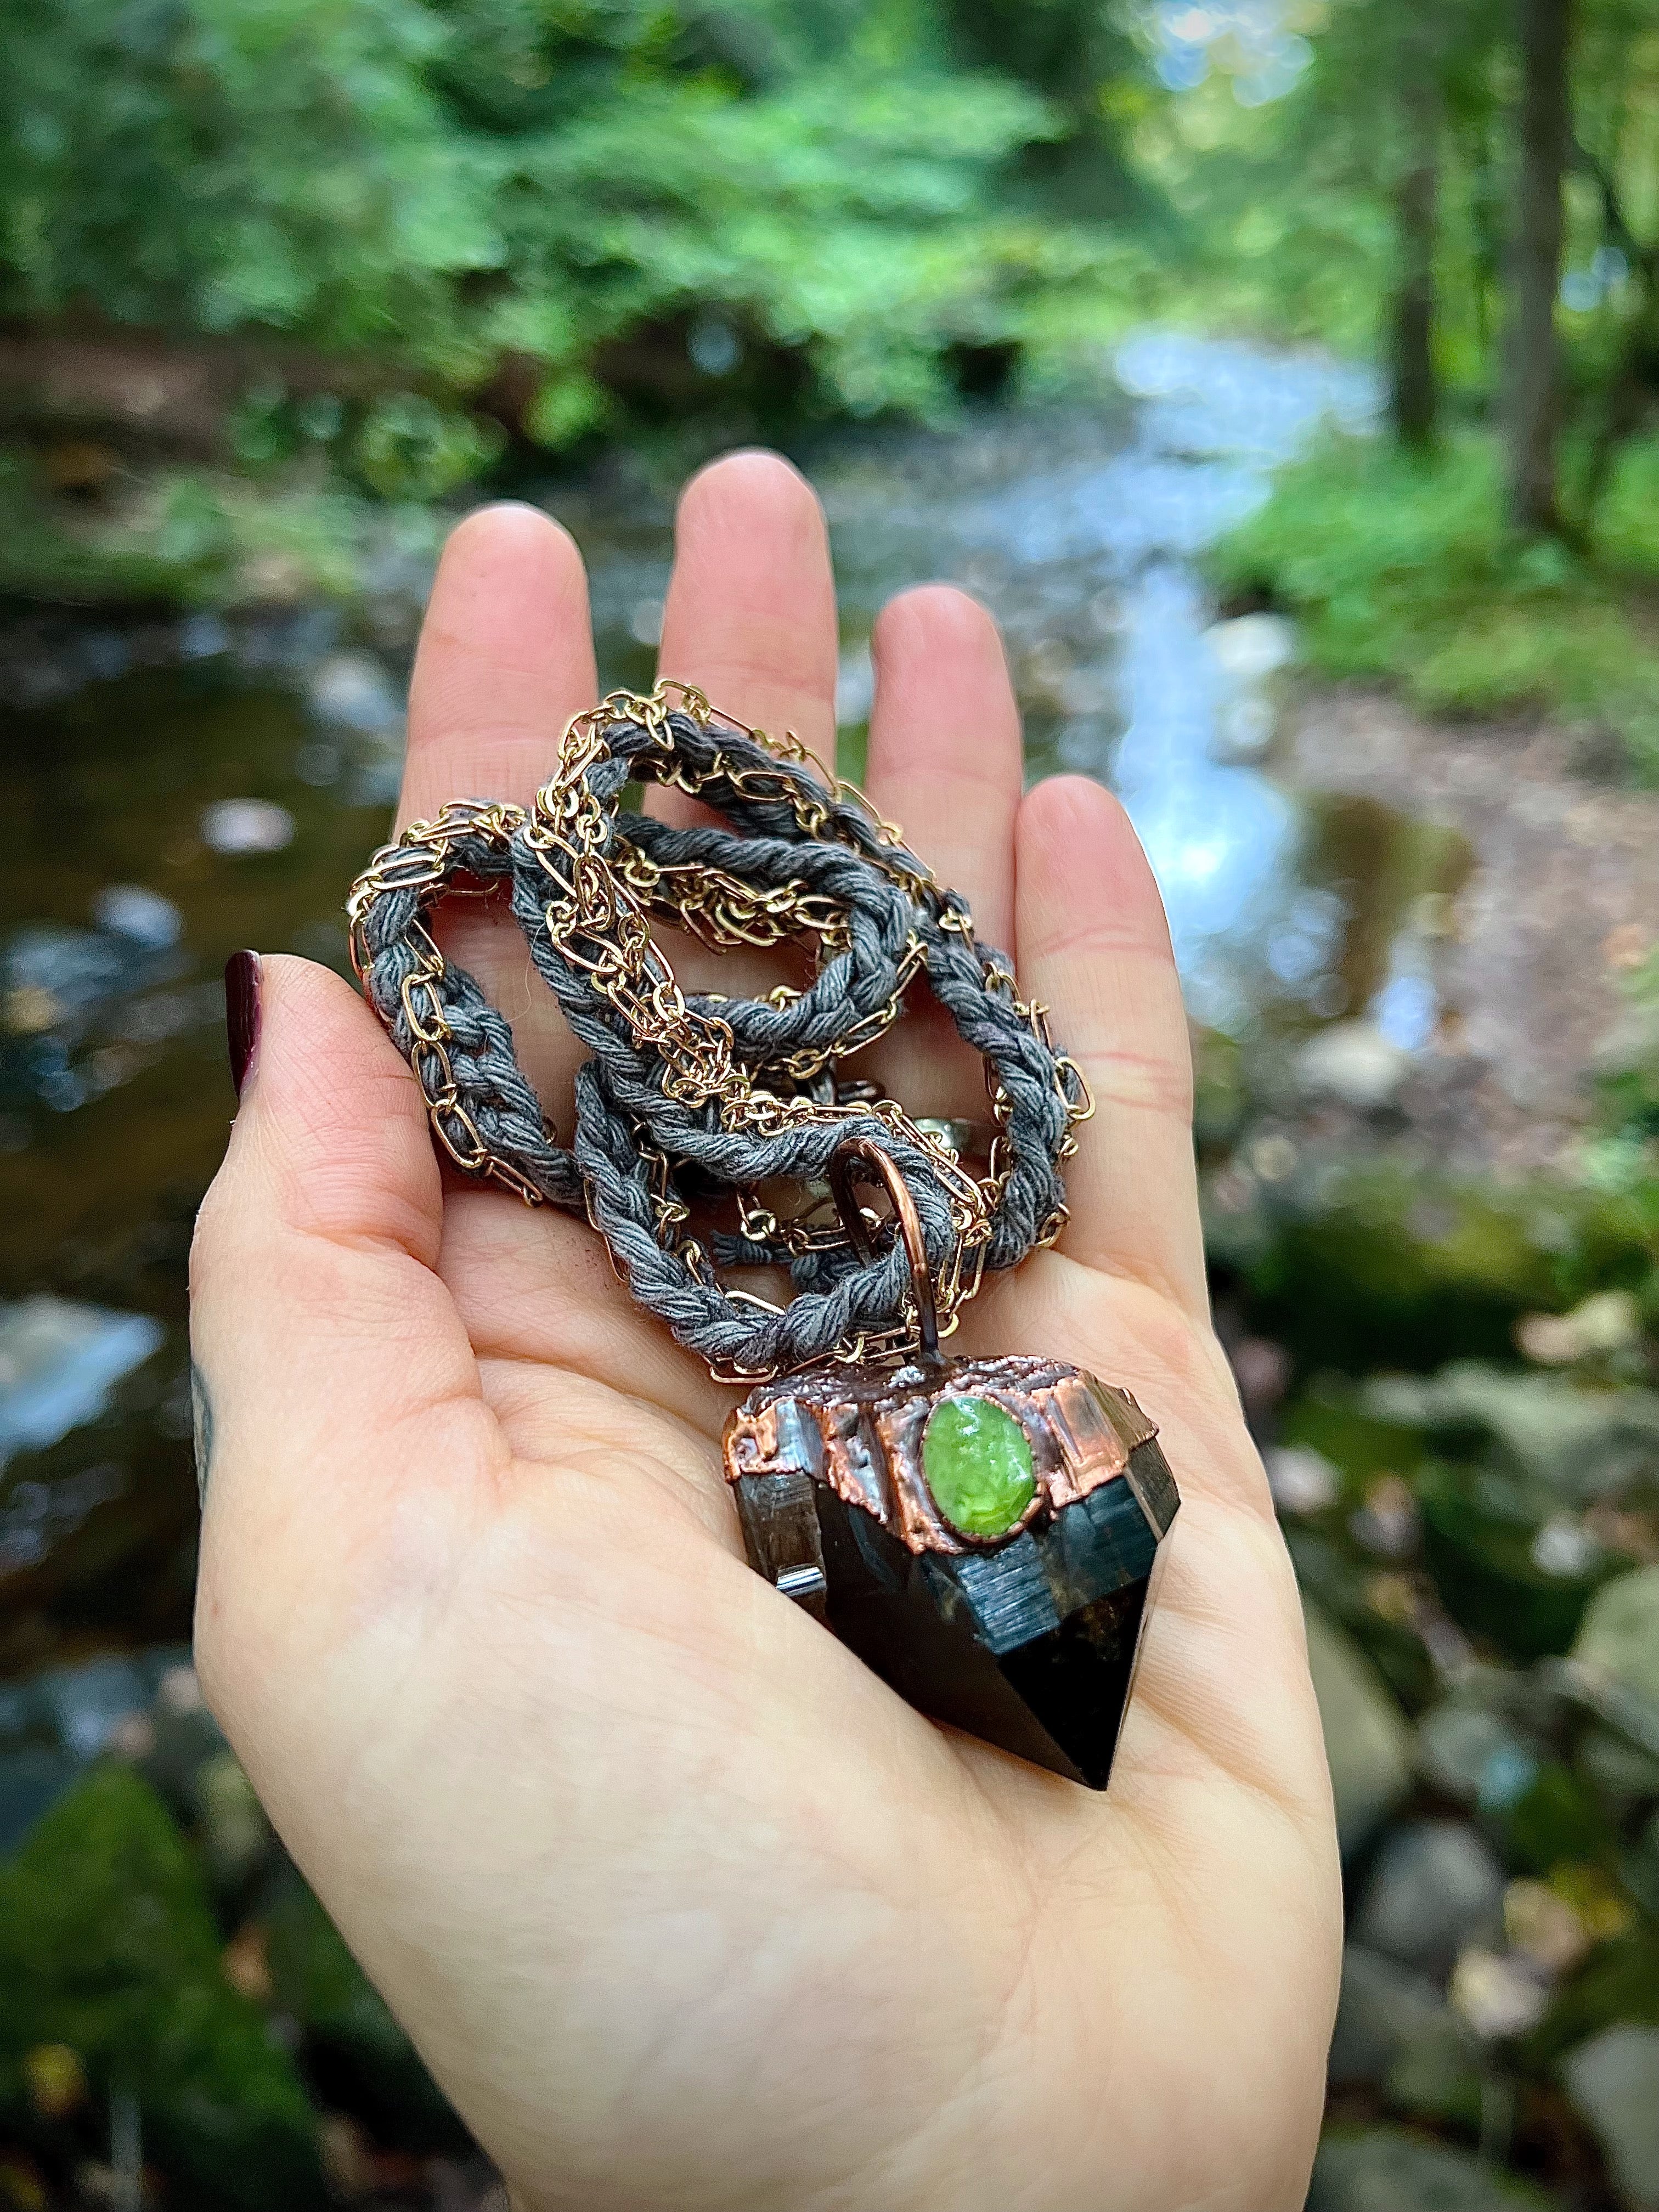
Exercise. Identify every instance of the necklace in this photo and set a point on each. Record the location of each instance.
(983, 1533)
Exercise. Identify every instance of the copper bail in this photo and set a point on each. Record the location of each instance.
(851, 1154)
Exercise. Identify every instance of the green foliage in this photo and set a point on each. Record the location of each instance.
(1559, 1820)
(239, 162)
(408, 448)
(1401, 569)
(1290, 206)
(1620, 1983)
(1629, 1089)
(108, 1945)
(1292, 210)
(451, 184)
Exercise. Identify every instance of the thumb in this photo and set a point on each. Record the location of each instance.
(324, 1342)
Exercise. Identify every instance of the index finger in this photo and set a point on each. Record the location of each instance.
(506, 658)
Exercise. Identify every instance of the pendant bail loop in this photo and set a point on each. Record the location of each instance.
(848, 1157)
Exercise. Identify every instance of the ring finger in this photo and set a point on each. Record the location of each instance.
(944, 764)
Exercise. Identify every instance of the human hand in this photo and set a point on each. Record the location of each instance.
(682, 1906)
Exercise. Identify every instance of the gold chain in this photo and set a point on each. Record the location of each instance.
(602, 895)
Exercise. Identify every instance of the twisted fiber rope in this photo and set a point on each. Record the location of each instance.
(620, 1100)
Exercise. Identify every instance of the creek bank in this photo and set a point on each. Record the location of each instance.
(1527, 959)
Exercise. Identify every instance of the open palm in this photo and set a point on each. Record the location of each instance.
(682, 1905)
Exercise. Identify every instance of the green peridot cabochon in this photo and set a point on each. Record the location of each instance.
(977, 1460)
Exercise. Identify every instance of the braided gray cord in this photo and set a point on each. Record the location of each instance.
(646, 1148)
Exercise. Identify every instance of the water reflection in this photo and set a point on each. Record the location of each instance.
(58, 1362)
(122, 896)
(1085, 547)
(1219, 837)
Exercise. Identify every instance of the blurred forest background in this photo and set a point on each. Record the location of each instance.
(1284, 373)
(259, 262)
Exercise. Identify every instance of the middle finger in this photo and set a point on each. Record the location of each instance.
(750, 612)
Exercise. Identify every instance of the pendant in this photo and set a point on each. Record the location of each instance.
(982, 1533)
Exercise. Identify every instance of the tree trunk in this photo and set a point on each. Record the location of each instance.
(1415, 392)
(1627, 397)
(1486, 217)
(1545, 30)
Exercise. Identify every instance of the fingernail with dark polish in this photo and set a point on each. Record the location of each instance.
(242, 1013)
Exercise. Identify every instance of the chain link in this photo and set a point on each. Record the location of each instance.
(602, 895)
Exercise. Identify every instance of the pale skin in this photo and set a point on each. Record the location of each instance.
(682, 1907)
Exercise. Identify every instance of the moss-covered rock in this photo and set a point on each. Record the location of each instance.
(1481, 1541)
(1366, 1267)
(1576, 1443)
(1386, 2170)
(109, 1947)
(1366, 1738)
(1620, 1635)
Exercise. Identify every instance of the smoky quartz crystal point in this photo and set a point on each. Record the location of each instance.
(982, 1533)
